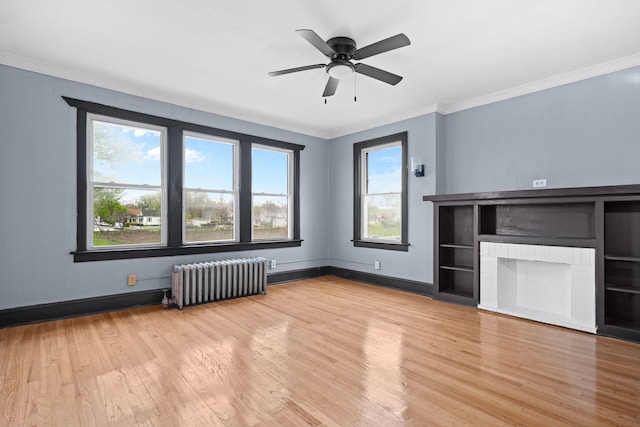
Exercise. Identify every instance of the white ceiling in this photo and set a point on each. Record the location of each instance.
(214, 55)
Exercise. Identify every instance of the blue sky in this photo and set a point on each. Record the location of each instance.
(269, 171)
(126, 155)
(130, 155)
(384, 170)
(208, 165)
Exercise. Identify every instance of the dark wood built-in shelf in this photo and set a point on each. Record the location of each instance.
(457, 296)
(543, 220)
(622, 258)
(628, 290)
(549, 193)
(604, 218)
(449, 245)
(455, 254)
(457, 268)
(531, 240)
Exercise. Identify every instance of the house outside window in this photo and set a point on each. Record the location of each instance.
(380, 195)
(272, 198)
(210, 188)
(126, 171)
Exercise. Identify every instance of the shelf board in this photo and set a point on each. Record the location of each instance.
(531, 240)
(626, 324)
(455, 246)
(457, 292)
(621, 258)
(456, 297)
(457, 268)
(625, 289)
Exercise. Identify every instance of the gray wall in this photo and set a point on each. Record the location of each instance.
(416, 264)
(38, 194)
(581, 134)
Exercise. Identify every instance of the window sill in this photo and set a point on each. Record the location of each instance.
(404, 247)
(107, 255)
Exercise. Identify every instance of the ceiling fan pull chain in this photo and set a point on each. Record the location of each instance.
(324, 84)
(355, 92)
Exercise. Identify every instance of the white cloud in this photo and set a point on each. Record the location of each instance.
(142, 132)
(139, 132)
(153, 154)
(193, 156)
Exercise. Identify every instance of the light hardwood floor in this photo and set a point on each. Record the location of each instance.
(323, 351)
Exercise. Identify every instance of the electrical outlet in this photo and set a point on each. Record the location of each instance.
(131, 280)
(272, 263)
(376, 265)
(539, 183)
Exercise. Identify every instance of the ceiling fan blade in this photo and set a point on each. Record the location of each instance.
(317, 42)
(295, 70)
(378, 74)
(395, 42)
(330, 88)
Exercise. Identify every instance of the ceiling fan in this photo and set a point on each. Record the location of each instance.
(341, 51)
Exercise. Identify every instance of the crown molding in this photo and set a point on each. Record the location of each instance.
(155, 94)
(548, 83)
(387, 120)
(286, 125)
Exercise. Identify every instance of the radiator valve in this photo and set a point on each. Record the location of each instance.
(165, 300)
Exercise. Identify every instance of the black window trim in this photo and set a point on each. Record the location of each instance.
(175, 130)
(403, 245)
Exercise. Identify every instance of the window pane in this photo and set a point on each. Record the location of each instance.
(270, 171)
(126, 154)
(208, 164)
(384, 170)
(209, 216)
(270, 217)
(383, 217)
(126, 217)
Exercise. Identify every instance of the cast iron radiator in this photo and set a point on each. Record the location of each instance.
(217, 280)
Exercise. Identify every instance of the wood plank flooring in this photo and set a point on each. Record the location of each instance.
(315, 352)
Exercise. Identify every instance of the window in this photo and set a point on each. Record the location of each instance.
(125, 173)
(380, 196)
(151, 186)
(272, 193)
(210, 188)
(381, 202)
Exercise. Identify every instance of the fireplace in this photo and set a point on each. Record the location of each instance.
(549, 284)
(567, 256)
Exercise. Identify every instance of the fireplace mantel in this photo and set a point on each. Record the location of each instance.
(605, 219)
(588, 192)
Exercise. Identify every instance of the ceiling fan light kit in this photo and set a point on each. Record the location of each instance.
(341, 51)
(340, 70)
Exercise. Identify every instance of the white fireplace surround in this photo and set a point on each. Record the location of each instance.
(549, 284)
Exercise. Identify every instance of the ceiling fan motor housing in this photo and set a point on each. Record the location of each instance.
(343, 46)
